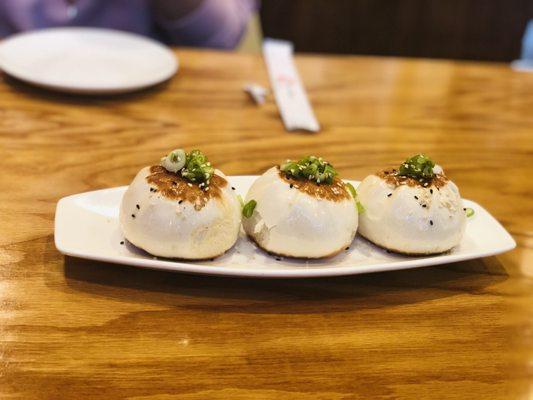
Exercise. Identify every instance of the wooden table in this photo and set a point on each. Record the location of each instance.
(75, 329)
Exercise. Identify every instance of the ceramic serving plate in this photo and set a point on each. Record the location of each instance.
(87, 60)
(86, 226)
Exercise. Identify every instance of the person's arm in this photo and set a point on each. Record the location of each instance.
(209, 23)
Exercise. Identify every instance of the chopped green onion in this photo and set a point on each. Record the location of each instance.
(174, 161)
(469, 212)
(248, 208)
(358, 205)
(240, 200)
(351, 189)
(197, 167)
(310, 168)
(193, 166)
(418, 167)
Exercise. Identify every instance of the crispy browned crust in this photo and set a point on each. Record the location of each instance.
(174, 187)
(391, 176)
(403, 253)
(272, 253)
(179, 258)
(336, 191)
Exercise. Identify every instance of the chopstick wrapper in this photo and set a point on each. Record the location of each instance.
(290, 95)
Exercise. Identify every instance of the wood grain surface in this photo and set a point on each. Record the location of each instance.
(73, 329)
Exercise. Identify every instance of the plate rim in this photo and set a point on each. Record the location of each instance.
(86, 89)
(197, 268)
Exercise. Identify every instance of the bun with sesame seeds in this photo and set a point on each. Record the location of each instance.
(413, 210)
(303, 213)
(181, 213)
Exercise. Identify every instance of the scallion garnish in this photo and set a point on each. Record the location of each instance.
(197, 167)
(353, 192)
(174, 161)
(310, 168)
(193, 166)
(418, 167)
(248, 208)
(469, 212)
(239, 197)
(351, 189)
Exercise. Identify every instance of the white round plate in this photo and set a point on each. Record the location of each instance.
(87, 60)
(86, 226)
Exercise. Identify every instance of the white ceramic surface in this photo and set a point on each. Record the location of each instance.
(86, 226)
(87, 60)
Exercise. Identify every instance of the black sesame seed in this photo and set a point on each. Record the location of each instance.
(430, 222)
(291, 185)
(464, 209)
(181, 201)
(122, 242)
(423, 205)
(138, 208)
(347, 248)
(416, 197)
(133, 215)
(389, 195)
(431, 191)
(278, 259)
(232, 188)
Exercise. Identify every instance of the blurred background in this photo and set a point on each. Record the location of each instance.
(487, 30)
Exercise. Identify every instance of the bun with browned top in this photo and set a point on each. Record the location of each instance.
(414, 209)
(302, 209)
(189, 212)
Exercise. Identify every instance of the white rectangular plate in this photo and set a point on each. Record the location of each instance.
(86, 226)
